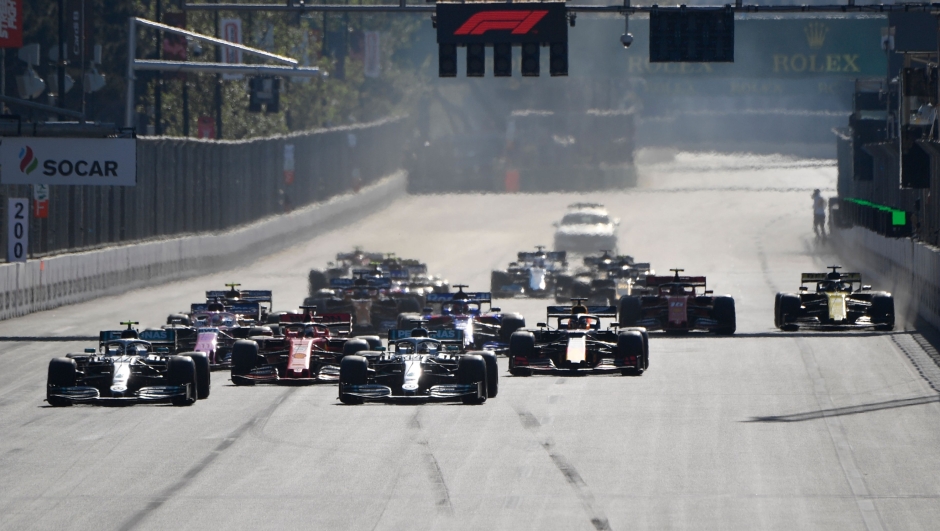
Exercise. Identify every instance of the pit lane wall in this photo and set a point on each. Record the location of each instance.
(908, 268)
(39, 285)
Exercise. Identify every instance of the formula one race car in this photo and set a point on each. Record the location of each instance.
(129, 368)
(531, 275)
(578, 344)
(371, 299)
(307, 351)
(410, 276)
(838, 301)
(603, 279)
(677, 306)
(419, 366)
(486, 330)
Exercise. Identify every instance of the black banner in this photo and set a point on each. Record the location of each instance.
(491, 23)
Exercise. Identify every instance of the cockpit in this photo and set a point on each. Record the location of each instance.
(580, 322)
(420, 347)
(460, 308)
(677, 289)
(126, 348)
(215, 320)
(834, 285)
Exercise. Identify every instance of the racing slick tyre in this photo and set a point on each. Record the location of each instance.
(62, 373)
(353, 370)
(789, 311)
(630, 346)
(629, 311)
(374, 341)
(778, 321)
(407, 321)
(522, 345)
(275, 329)
(178, 319)
(492, 373)
(316, 281)
(244, 358)
(354, 345)
(181, 370)
(882, 311)
(723, 312)
(509, 323)
(471, 369)
(409, 305)
(646, 343)
(498, 279)
(203, 379)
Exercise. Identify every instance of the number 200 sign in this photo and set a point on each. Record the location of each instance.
(18, 223)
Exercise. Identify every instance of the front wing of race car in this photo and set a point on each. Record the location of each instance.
(436, 393)
(81, 394)
(268, 374)
(547, 366)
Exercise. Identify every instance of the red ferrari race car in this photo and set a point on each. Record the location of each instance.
(677, 305)
(308, 351)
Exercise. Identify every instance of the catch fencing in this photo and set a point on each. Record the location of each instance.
(188, 186)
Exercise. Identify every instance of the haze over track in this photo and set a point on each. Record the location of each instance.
(758, 431)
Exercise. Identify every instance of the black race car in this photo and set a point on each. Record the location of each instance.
(129, 368)
(838, 300)
(419, 366)
(578, 344)
(531, 275)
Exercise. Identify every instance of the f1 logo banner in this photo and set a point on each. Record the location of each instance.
(80, 161)
(491, 23)
(18, 229)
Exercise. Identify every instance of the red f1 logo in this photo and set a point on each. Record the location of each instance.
(518, 22)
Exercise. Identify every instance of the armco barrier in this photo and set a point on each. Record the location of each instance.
(909, 267)
(66, 279)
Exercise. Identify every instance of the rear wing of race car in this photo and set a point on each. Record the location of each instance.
(551, 256)
(248, 309)
(347, 257)
(599, 311)
(245, 295)
(340, 323)
(822, 277)
(399, 274)
(470, 296)
(158, 337)
(653, 281)
(450, 335)
(373, 283)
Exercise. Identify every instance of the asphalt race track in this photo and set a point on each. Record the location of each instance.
(762, 430)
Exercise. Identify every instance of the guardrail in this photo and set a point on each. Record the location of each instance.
(70, 278)
(189, 186)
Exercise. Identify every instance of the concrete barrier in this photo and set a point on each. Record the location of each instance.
(66, 279)
(909, 268)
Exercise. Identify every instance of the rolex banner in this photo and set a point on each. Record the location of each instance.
(78, 161)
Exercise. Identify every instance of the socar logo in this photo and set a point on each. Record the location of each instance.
(28, 161)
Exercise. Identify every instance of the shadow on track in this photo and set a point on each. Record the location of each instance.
(47, 339)
(848, 410)
(748, 335)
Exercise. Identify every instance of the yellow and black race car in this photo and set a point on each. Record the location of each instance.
(839, 300)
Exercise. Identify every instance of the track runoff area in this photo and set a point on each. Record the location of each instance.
(760, 430)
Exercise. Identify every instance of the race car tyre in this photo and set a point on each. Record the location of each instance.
(510, 322)
(723, 312)
(353, 370)
(778, 321)
(882, 311)
(316, 281)
(374, 341)
(471, 369)
(789, 310)
(178, 319)
(522, 345)
(62, 373)
(630, 309)
(276, 330)
(203, 378)
(407, 321)
(354, 345)
(498, 279)
(409, 305)
(244, 358)
(181, 370)
(646, 343)
(630, 344)
(492, 373)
